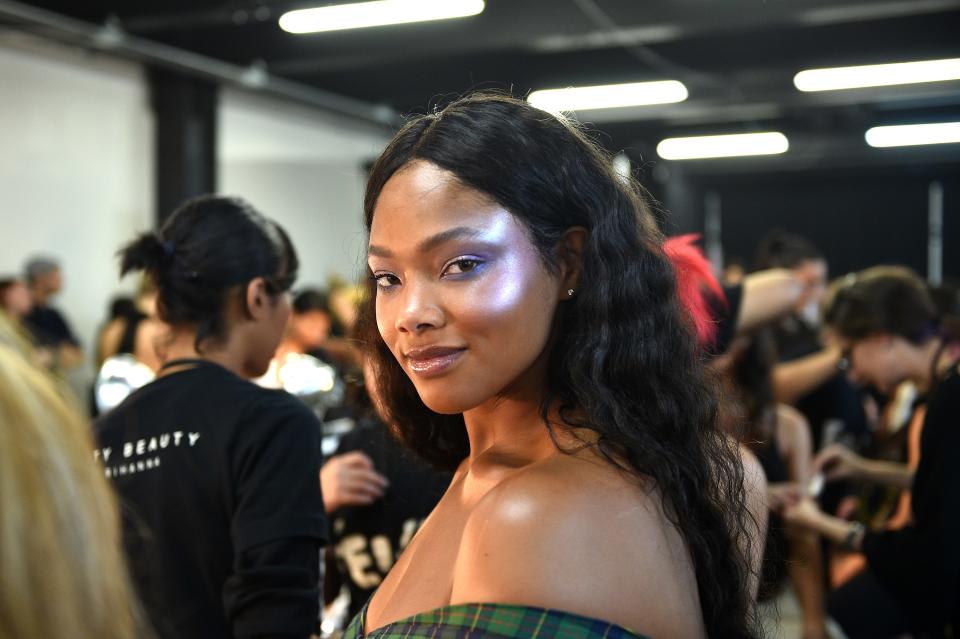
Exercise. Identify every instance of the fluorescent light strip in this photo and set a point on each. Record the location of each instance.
(877, 75)
(723, 146)
(376, 14)
(608, 96)
(913, 134)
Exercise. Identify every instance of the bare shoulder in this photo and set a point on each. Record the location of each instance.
(793, 430)
(578, 535)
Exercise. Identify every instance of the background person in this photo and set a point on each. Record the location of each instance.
(220, 476)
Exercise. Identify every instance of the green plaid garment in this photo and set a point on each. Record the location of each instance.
(469, 621)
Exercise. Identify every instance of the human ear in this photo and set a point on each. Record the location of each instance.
(256, 298)
(569, 252)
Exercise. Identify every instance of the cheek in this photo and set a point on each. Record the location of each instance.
(506, 318)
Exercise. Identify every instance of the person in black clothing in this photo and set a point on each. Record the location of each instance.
(223, 511)
(912, 579)
(133, 329)
(44, 280)
(377, 495)
(47, 326)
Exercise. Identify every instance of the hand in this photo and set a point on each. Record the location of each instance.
(838, 462)
(783, 494)
(350, 480)
(803, 513)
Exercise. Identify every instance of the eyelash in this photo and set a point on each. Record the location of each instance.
(477, 263)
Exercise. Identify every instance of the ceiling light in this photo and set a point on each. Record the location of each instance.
(608, 96)
(375, 14)
(913, 134)
(723, 146)
(877, 75)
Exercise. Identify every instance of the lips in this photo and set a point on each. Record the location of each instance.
(433, 360)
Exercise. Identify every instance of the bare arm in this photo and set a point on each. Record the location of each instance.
(805, 566)
(751, 545)
(839, 462)
(792, 380)
(767, 296)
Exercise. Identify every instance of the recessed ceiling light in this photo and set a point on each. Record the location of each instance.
(877, 75)
(913, 134)
(608, 96)
(375, 14)
(723, 146)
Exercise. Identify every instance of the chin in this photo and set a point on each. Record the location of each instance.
(446, 401)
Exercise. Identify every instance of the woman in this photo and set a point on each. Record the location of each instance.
(220, 476)
(525, 328)
(134, 330)
(912, 580)
(780, 438)
(63, 569)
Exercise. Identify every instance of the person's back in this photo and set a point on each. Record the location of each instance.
(213, 465)
(219, 478)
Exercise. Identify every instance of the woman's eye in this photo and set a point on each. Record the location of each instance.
(464, 265)
(386, 280)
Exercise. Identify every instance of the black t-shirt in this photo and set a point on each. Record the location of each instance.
(219, 488)
(49, 328)
(368, 539)
(920, 563)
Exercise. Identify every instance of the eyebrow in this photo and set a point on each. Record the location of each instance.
(427, 245)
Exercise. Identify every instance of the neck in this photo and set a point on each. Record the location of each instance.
(508, 431)
(182, 346)
(39, 296)
(931, 360)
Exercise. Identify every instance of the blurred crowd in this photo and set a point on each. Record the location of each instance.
(829, 382)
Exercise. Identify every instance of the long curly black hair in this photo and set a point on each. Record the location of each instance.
(624, 362)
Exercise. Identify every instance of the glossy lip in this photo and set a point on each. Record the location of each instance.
(432, 360)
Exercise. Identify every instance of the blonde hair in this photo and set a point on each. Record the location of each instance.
(63, 569)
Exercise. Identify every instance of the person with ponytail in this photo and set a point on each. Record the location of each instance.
(223, 516)
(523, 323)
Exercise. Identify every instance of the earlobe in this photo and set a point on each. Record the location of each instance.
(570, 251)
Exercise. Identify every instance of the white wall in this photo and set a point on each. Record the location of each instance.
(304, 169)
(75, 168)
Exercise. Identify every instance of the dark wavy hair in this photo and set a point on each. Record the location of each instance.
(624, 361)
(208, 248)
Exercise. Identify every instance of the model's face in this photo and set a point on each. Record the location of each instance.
(877, 361)
(464, 301)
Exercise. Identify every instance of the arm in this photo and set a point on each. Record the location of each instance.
(792, 380)
(805, 514)
(755, 486)
(839, 462)
(277, 523)
(804, 563)
(767, 296)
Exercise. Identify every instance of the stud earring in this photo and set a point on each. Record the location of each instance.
(569, 292)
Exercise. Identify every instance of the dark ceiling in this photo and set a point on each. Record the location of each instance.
(737, 58)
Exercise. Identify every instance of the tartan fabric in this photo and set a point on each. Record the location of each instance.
(469, 621)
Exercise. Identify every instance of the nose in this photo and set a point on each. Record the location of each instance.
(420, 310)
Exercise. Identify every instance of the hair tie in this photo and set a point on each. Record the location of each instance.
(168, 249)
